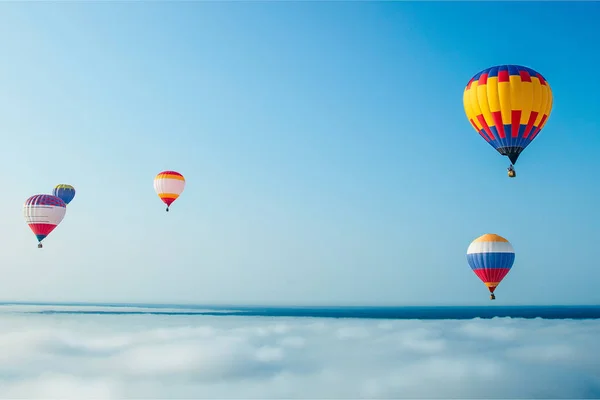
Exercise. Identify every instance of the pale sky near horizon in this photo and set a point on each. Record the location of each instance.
(327, 155)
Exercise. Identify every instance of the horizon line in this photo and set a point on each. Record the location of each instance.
(273, 306)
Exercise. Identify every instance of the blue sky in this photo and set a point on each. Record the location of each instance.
(327, 154)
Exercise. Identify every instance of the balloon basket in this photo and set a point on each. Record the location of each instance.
(40, 246)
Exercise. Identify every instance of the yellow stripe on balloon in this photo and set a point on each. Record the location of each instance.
(548, 109)
(506, 106)
(491, 284)
(168, 195)
(545, 99)
(470, 110)
(515, 85)
(473, 98)
(537, 96)
(490, 237)
(492, 95)
(170, 176)
(527, 96)
(482, 101)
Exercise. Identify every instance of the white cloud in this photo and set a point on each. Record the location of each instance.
(152, 356)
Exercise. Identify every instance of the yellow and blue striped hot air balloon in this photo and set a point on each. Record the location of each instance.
(508, 105)
(491, 257)
(65, 192)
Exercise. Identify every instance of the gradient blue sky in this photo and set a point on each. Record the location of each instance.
(327, 154)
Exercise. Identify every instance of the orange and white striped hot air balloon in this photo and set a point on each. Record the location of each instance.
(169, 185)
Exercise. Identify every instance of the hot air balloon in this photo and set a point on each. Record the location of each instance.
(65, 192)
(491, 257)
(169, 185)
(508, 105)
(43, 213)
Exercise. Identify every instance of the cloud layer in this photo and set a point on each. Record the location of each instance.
(153, 356)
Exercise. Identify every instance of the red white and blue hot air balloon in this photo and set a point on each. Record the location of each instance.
(491, 257)
(43, 213)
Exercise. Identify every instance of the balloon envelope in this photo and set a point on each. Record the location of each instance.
(491, 257)
(169, 185)
(43, 213)
(65, 192)
(508, 105)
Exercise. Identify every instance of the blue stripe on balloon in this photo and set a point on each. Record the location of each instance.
(490, 260)
(66, 194)
(510, 141)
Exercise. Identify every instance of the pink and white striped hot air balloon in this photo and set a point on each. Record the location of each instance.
(43, 213)
(168, 186)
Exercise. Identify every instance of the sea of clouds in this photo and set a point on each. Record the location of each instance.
(175, 357)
